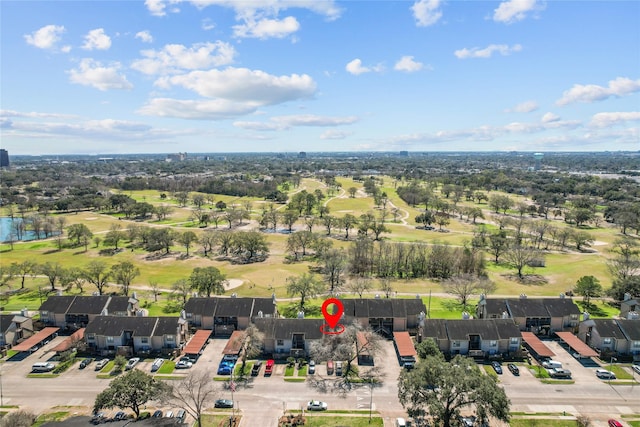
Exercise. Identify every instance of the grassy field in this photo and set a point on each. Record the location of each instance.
(269, 277)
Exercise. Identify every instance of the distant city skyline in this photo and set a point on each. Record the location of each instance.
(216, 76)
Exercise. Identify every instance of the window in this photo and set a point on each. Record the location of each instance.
(91, 337)
(171, 338)
(574, 317)
(280, 342)
(109, 340)
(456, 343)
(515, 340)
(606, 341)
(493, 343)
(636, 344)
(144, 340)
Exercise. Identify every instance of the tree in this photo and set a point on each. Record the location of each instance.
(187, 239)
(19, 418)
(462, 286)
(581, 239)
(114, 236)
(123, 273)
(307, 286)
(352, 192)
(360, 285)
(519, 257)
(181, 290)
(334, 266)
(446, 388)
(97, 273)
(23, 269)
(207, 280)
(251, 342)
(132, 390)
(429, 348)
(160, 239)
(626, 260)
(80, 233)
(588, 286)
(300, 240)
(52, 270)
(195, 393)
(348, 221)
(386, 286)
(249, 245)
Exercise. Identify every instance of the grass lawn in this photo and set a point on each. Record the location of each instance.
(541, 422)
(215, 420)
(247, 368)
(288, 372)
(167, 367)
(620, 372)
(330, 421)
(302, 371)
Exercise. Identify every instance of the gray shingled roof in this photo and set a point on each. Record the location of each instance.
(118, 304)
(57, 303)
(383, 308)
(608, 328)
(631, 328)
(114, 325)
(234, 307)
(202, 306)
(265, 305)
(166, 326)
(460, 329)
(283, 329)
(436, 328)
(559, 307)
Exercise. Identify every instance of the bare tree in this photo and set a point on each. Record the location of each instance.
(386, 286)
(195, 393)
(519, 257)
(155, 289)
(463, 286)
(360, 285)
(251, 343)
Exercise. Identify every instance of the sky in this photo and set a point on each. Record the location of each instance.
(200, 76)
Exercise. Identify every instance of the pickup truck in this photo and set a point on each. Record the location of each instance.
(559, 373)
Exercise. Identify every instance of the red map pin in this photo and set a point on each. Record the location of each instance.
(332, 319)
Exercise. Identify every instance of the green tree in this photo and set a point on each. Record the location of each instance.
(53, 271)
(251, 343)
(24, 269)
(97, 273)
(123, 273)
(207, 280)
(79, 233)
(114, 236)
(429, 348)
(187, 239)
(588, 287)
(446, 388)
(307, 286)
(132, 390)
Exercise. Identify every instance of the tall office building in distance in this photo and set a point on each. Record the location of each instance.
(4, 158)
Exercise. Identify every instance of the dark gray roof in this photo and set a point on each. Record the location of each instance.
(532, 307)
(118, 304)
(559, 307)
(5, 321)
(166, 326)
(631, 328)
(283, 329)
(527, 307)
(460, 329)
(57, 303)
(507, 328)
(234, 307)
(435, 328)
(496, 306)
(265, 305)
(88, 304)
(114, 325)
(383, 308)
(201, 306)
(608, 328)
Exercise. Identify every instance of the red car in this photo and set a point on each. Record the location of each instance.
(268, 367)
(614, 423)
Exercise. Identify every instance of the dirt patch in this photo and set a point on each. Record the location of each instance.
(527, 279)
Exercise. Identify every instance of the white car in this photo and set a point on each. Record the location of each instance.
(316, 405)
(132, 363)
(603, 374)
(636, 368)
(184, 364)
(101, 364)
(157, 364)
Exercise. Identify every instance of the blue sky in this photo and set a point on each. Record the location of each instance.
(159, 76)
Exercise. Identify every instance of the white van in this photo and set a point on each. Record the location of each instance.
(552, 364)
(401, 422)
(43, 367)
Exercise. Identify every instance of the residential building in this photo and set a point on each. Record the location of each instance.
(135, 335)
(541, 316)
(474, 337)
(612, 337)
(15, 328)
(225, 315)
(385, 316)
(289, 337)
(76, 311)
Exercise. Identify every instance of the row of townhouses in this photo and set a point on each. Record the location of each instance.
(113, 324)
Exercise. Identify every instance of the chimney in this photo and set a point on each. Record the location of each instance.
(585, 315)
(301, 314)
(627, 296)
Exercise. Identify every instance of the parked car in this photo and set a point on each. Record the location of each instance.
(131, 363)
(636, 368)
(268, 367)
(157, 414)
(614, 423)
(157, 364)
(559, 373)
(469, 421)
(330, 367)
(230, 358)
(338, 368)
(497, 367)
(316, 405)
(119, 416)
(43, 367)
(181, 414)
(169, 414)
(255, 369)
(312, 366)
(224, 369)
(603, 374)
(400, 422)
(223, 403)
(101, 364)
(550, 364)
(98, 418)
(183, 364)
(513, 368)
(85, 362)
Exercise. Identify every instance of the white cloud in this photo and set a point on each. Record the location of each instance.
(46, 37)
(267, 28)
(355, 67)
(590, 93)
(156, 7)
(335, 134)
(258, 126)
(93, 73)
(407, 64)
(523, 107)
(216, 109)
(145, 36)
(426, 12)
(247, 86)
(488, 51)
(549, 118)
(34, 114)
(176, 57)
(514, 10)
(207, 25)
(96, 39)
(608, 119)
(314, 120)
